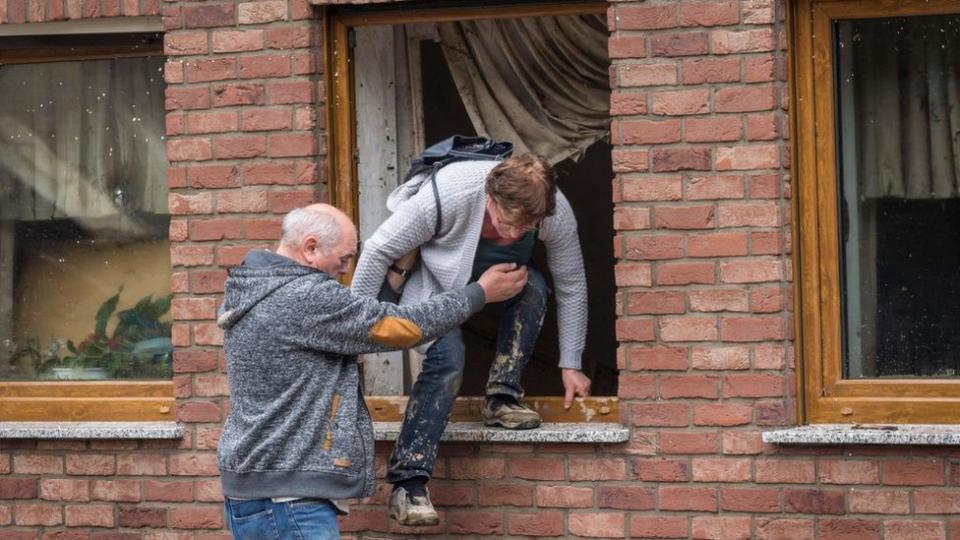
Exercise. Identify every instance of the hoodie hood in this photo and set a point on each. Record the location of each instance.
(258, 276)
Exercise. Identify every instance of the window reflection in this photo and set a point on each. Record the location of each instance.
(898, 95)
(84, 256)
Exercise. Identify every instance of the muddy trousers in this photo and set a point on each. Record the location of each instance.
(432, 396)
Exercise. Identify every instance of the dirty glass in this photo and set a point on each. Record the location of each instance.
(84, 255)
(898, 112)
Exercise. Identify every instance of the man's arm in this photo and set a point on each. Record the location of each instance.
(340, 321)
(404, 231)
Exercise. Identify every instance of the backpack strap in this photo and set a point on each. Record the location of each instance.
(436, 196)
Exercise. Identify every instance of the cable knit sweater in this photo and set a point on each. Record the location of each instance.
(446, 259)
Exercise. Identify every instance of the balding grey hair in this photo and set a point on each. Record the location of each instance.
(303, 222)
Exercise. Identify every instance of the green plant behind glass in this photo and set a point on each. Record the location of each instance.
(139, 346)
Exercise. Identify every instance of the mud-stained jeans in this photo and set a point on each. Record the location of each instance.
(432, 396)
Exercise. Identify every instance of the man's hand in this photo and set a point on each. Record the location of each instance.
(502, 281)
(575, 383)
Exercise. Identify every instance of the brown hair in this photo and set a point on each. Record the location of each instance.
(524, 188)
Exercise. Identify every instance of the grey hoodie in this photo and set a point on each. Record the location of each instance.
(298, 425)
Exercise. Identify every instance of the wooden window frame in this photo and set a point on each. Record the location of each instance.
(342, 165)
(84, 401)
(826, 396)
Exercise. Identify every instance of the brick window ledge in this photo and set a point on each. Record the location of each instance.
(90, 430)
(548, 432)
(890, 434)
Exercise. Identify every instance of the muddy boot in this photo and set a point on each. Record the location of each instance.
(505, 411)
(410, 505)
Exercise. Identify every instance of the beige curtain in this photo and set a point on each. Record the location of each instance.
(83, 140)
(540, 82)
(908, 110)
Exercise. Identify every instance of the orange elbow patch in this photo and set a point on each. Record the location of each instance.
(396, 332)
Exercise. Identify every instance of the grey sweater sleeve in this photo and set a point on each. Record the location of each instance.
(565, 260)
(341, 321)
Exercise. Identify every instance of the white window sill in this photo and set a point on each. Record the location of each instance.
(549, 432)
(90, 430)
(892, 434)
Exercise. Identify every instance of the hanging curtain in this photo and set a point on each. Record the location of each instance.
(83, 140)
(541, 82)
(908, 108)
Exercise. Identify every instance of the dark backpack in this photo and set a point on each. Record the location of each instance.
(456, 148)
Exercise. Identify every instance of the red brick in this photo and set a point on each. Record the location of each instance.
(913, 473)
(685, 273)
(712, 129)
(659, 358)
(633, 274)
(258, 67)
(663, 74)
(649, 131)
(752, 329)
(664, 188)
(138, 516)
(211, 122)
(721, 358)
(709, 14)
(680, 102)
(654, 247)
(722, 414)
(116, 490)
(688, 386)
(197, 517)
(291, 145)
(263, 229)
(240, 147)
(265, 119)
(216, 229)
(754, 214)
(472, 522)
(744, 98)
(742, 41)
(661, 414)
(196, 203)
(721, 469)
(595, 469)
(685, 217)
(228, 95)
(216, 69)
(913, 530)
(189, 150)
(505, 495)
(269, 173)
(176, 491)
(631, 386)
(848, 529)
(476, 468)
(753, 386)
(626, 46)
(198, 411)
(202, 281)
(287, 92)
(662, 302)
(643, 17)
(630, 160)
(694, 499)
(213, 176)
(37, 464)
(564, 496)
(261, 11)
(64, 490)
(710, 70)
(89, 515)
(751, 500)
(813, 501)
(208, 15)
(748, 157)
(597, 524)
(634, 329)
(762, 127)
(662, 470)
(187, 361)
(936, 502)
(679, 44)
(718, 300)
(208, 334)
(694, 442)
(543, 523)
(724, 244)
(759, 68)
(627, 102)
(88, 464)
(877, 501)
(845, 471)
(185, 43)
(720, 528)
(288, 37)
(237, 40)
(631, 219)
(652, 526)
(688, 328)
(625, 498)
(743, 443)
(199, 464)
(37, 515)
(231, 202)
(784, 529)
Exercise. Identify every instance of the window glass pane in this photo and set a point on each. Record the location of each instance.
(84, 256)
(898, 103)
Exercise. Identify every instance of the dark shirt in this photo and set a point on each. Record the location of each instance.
(489, 253)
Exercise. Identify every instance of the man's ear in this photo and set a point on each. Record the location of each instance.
(310, 249)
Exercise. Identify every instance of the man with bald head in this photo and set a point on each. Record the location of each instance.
(299, 436)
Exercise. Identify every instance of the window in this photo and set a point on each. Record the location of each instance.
(84, 255)
(402, 79)
(877, 105)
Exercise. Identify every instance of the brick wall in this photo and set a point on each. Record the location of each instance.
(702, 220)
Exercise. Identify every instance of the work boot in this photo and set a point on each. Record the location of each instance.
(505, 411)
(410, 505)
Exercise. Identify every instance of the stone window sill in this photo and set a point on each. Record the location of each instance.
(549, 432)
(90, 430)
(892, 434)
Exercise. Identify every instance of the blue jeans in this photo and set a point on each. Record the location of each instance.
(263, 519)
(432, 396)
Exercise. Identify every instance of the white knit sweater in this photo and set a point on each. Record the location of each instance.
(446, 260)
